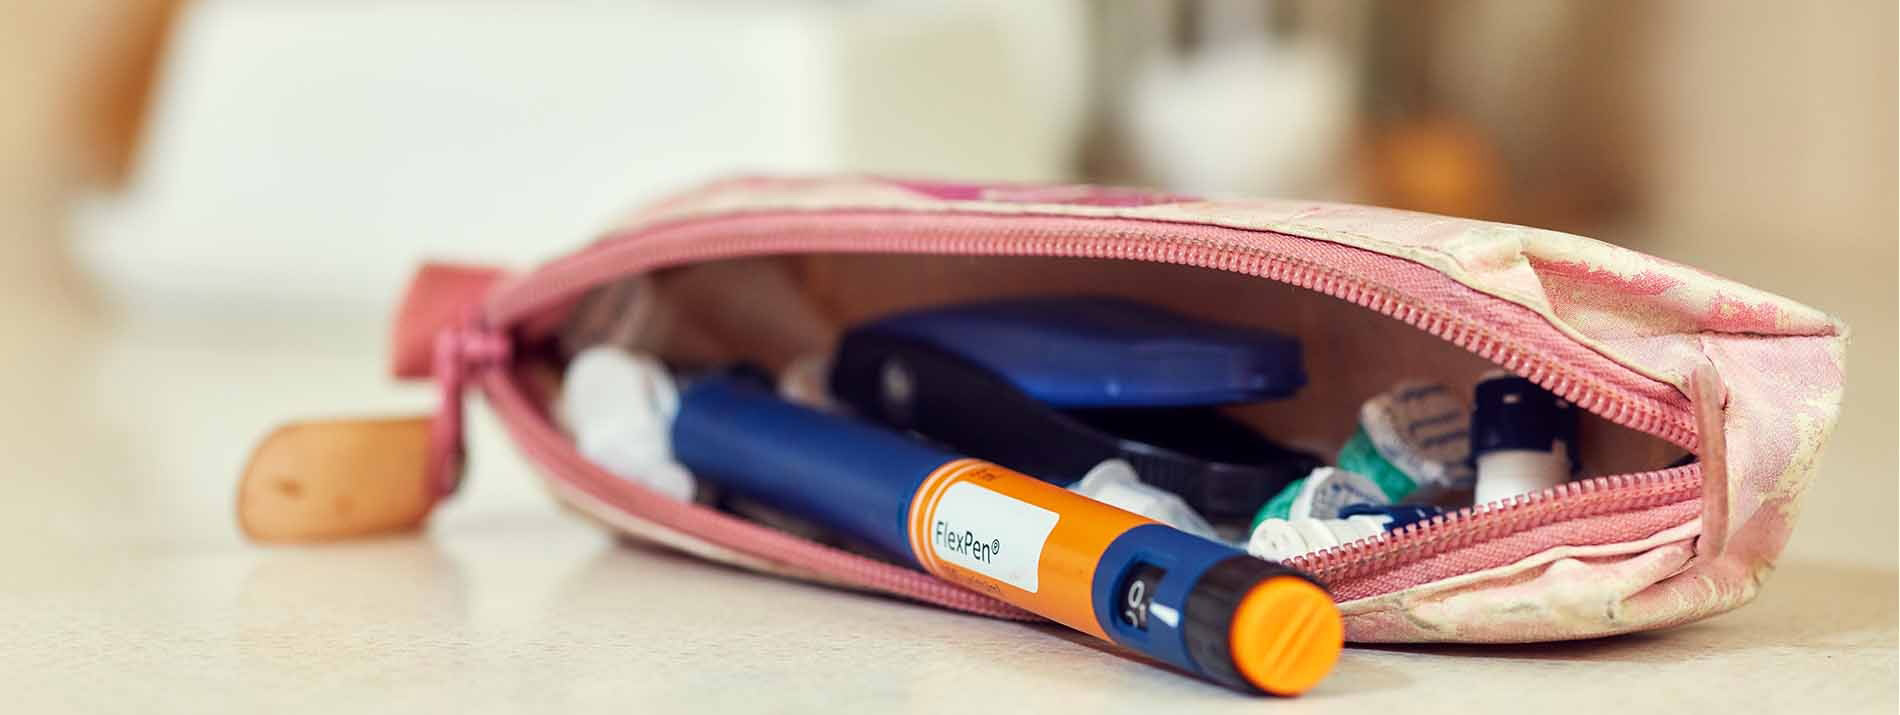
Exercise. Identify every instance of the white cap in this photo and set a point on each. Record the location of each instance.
(1114, 482)
(1282, 539)
(619, 406)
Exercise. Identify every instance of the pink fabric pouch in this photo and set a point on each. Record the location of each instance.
(1665, 359)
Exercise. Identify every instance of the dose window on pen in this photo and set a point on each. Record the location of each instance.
(1137, 591)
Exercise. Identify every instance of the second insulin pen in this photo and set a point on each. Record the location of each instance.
(1198, 605)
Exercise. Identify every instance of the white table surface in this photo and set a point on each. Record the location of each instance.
(126, 587)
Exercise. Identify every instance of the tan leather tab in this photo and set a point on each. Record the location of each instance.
(336, 479)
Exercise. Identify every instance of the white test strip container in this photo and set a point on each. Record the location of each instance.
(1522, 438)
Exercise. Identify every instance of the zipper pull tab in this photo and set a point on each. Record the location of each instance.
(340, 479)
(460, 354)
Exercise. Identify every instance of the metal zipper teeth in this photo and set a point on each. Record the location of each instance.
(1591, 497)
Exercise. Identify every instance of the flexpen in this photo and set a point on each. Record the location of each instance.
(1201, 606)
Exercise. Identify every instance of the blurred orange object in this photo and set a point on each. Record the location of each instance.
(337, 479)
(1434, 164)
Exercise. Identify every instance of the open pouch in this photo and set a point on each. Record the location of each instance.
(1665, 361)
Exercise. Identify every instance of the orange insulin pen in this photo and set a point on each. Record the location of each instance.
(1201, 606)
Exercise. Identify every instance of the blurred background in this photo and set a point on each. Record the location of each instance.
(208, 207)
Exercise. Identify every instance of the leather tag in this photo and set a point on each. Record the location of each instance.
(337, 479)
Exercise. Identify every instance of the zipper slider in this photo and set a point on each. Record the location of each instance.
(461, 354)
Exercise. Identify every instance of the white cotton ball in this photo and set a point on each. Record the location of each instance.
(619, 407)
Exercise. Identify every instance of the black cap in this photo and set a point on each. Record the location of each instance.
(1514, 413)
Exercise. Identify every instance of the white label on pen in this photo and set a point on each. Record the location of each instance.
(990, 533)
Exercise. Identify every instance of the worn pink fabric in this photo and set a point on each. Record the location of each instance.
(1750, 379)
(1652, 316)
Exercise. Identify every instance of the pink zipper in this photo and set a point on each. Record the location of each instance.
(1472, 525)
(1558, 364)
